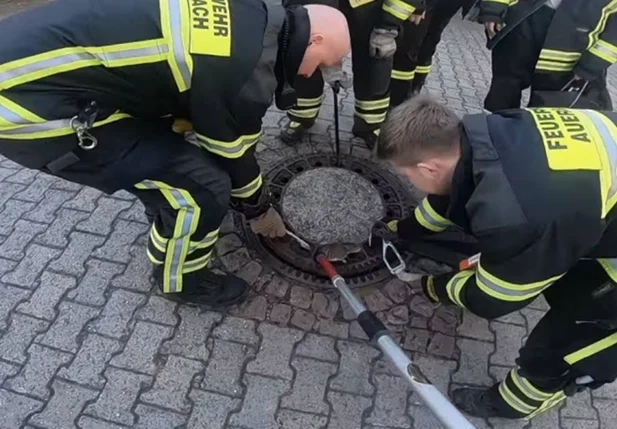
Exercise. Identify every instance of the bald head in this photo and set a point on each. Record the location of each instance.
(329, 41)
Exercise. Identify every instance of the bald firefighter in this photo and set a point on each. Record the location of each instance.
(560, 48)
(89, 90)
(537, 188)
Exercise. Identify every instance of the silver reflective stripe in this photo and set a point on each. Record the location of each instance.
(176, 258)
(398, 9)
(454, 290)
(179, 52)
(611, 147)
(521, 383)
(230, 151)
(430, 219)
(520, 293)
(74, 57)
(12, 117)
(606, 51)
(37, 128)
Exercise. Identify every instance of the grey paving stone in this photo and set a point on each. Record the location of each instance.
(508, 424)
(140, 350)
(539, 304)
(172, 384)
(135, 213)
(398, 315)
(11, 297)
(154, 418)
(103, 216)
(377, 301)
(190, 337)
(607, 409)
(225, 367)
(423, 419)
(235, 260)
(117, 398)
(475, 327)
(356, 331)
(114, 318)
(64, 406)
(353, 376)
(74, 256)
(317, 347)
(23, 233)
(24, 176)
(532, 317)
(15, 408)
(117, 246)
(62, 224)
(210, 410)
(421, 306)
(138, 272)
(280, 313)
(579, 406)
(38, 371)
(309, 386)
(289, 419)
(260, 403)
(31, 266)
(347, 410)
(608, 391)
(417, 340)
(45, 211)
(546, 420)
(274, 352)
(438, 372)
(8, 190)
(236, 329)
(43, 301)
(91, 423)
(301, 296)
(509, 341)
(13, 211)
(68, 325)
(324, 306)
(580, 424)
(22, 330)
(7, 370)
(91, 289)
(473, 363)
(277, 287)
(390, 402)
(6, 172)
(37, 189)
(442, 345)
(255, 308)
(227, 226)
(90, 361)
(250, 272)
(444, 320)
(397, 291)
(159, 310)
(227, 244)
(514, 318)
(303, 319)
(335, 329)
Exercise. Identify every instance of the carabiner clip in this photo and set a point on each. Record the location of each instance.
(86, 140)
(401, 265)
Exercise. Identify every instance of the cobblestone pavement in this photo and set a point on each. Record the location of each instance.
(87, 341)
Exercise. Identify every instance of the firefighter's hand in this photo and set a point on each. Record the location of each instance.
(335, 76)
(382, 43)
(416, 19)
(270, 224)
(381, 231)
(492, 28)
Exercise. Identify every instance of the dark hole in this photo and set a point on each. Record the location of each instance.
(375, 182)
(358, 170)
(284, 180)
(319, 164)
(386, 197)
(299, 169)
(389, 213)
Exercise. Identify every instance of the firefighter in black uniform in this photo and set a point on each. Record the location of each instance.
(538, 190)
(85, 89)
(417, 45)
(551, 46)
(374, 26)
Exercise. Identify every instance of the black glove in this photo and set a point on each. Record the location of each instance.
(381, 231)
(428, 289)
(254, 206)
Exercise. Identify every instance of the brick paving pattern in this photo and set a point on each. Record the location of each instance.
(86, 340)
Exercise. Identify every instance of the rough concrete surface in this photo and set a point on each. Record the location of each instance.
(86, 341)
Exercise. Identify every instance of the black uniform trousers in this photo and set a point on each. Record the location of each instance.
(514, 61)
(576, 338)
(416, 47)
(185, 193)
(371, 77)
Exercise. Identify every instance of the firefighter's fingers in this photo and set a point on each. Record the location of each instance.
(490, 28)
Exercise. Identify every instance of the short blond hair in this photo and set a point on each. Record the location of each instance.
(417, 129)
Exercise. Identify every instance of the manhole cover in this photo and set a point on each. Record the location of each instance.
(386, 196)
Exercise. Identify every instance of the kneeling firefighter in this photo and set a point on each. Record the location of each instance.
(374, 26)
(88, 92)
(559, 48)
(537, 188)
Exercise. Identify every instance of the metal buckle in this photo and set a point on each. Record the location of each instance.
(400, 267)
(86, 140)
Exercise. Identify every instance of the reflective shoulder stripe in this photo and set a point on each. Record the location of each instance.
(67, 59)
(507, 291)
(429, 218)
(592, 349)
(456, 284)
(398, 8)
(175, 27)
(249, 189)
(233, 149)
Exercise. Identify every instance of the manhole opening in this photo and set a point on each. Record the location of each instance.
(292, 261)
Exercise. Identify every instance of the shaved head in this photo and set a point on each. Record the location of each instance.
(329, 41)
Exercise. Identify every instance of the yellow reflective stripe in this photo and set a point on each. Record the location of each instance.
(591, 349)
(507, 291)
(67, 59)
(233, 149)
(157, 239)
(610, 266)
(309, 102)
(513, 401)
(372, 118)
(605, 50)
(498, 1)
(197, 264)
(455, 286)
(152, 258)
(305, 113)
(595, 33)
(555, 55)
(399, 9)
(12, 113)
(393, 225)
(546, 65)
(187, 219)
(527, 389)
(423, 69)
(249, 189)
(429, 218)
(175, 27)
(207, 241)
(553, 401)
(382, 103)
(402, 75)
(430, 288)
(604, 134)
(57, 128)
